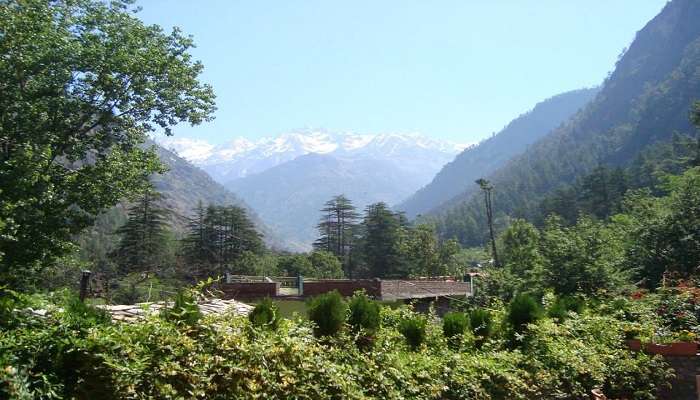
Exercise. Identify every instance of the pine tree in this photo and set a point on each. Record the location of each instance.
(218, 237)
(337, 229)
(381, 239)
(143, 240)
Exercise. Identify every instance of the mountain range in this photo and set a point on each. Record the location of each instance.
(241, 157)
(287, 179)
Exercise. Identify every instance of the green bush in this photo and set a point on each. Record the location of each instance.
(481, 323)
(454, 324)
(364, 313)
(78, 314)
(562, 306)
(184, 310)
(413, 329)
(523, 310)
(328, 312)
(265, 315)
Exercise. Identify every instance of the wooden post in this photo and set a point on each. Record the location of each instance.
(84, 283)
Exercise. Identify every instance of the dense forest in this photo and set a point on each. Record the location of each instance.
(581, 241)
(491, 154)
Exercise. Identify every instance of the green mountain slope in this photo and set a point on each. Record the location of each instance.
(644, 101)
(492, 153)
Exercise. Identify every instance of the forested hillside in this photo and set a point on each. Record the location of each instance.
(183, 186)
(645, 100)
(492, 153)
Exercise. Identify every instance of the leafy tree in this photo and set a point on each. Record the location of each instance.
(521, 254)
(583, 258)
(423, 251)
(325, 265)
(82, 83)
(295, 264)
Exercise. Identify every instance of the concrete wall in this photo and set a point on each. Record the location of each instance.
(249, 290)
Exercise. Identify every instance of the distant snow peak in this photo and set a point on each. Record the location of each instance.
(193, 150)
(241, 157)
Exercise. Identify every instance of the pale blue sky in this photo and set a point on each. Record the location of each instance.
(456, 70)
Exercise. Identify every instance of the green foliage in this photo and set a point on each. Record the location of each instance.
(221, 238)
(265, 315)
(80, 315)
(155, 358)
(337, 229)
(560, 308)
(328, 312)
(295, 264)
(413, 330)
(585, 258)
(523, 310)
(364, 313)
(142, 246)
(666, 235)
(482, 324)
(325, 265)
(184, 310)
(382, 232)
(93, 81)
(454, 324)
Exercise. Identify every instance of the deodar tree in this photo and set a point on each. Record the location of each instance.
(82, 83)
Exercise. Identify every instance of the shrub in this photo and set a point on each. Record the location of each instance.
(413, 329)
(265, 315)
(78, 314)
(561, 307)
(184, 311)
(523, 310)
(364, 313)
(327, 311)
(454, 324)
(481, 323)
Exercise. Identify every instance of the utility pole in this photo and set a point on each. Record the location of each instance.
(486, 187)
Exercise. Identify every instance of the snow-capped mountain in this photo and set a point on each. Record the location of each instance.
(287, 179)
(241, 157)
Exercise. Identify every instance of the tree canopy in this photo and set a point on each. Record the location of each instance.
(82, 83)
